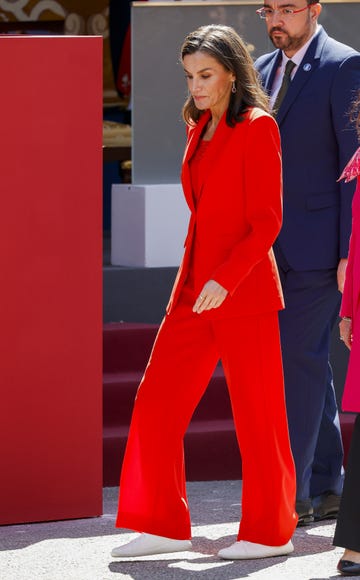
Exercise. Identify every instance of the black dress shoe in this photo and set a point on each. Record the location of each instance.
(348, 568)
(305, 512)
(326, 506)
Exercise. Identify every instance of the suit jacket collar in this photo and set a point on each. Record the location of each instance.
(307, 67)
(269, 74)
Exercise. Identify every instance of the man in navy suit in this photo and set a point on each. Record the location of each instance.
(312, 248)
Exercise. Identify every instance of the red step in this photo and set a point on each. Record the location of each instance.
(127, 345)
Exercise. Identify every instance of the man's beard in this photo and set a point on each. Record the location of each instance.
(287, 42)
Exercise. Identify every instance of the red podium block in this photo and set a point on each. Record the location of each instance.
(51, 278)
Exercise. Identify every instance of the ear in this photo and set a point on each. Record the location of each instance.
(315, 10)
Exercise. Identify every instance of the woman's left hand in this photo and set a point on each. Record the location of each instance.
(341, 274)
(211, 296)
(345, 327)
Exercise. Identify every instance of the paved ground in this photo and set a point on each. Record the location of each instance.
(80, 549)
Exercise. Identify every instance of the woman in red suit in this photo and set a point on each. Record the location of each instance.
(224, 305)
(347, 531)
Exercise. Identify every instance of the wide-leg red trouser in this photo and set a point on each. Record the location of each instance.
(187, 348)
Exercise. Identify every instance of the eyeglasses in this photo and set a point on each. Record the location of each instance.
(268, 13)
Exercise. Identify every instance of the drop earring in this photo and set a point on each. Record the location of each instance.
(233, 88)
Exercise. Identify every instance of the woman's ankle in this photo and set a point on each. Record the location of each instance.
(351, 555)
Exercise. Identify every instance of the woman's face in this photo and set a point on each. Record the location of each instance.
(208, 81)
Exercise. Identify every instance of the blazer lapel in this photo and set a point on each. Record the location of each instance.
(216, 145)
(192, 142)
(307, 67)
(268, 76)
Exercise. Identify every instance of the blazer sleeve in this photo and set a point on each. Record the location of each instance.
(346, 83)
(262, 188)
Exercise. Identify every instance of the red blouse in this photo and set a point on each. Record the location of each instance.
(196, 168)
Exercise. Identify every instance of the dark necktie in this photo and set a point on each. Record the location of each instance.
(284, 86)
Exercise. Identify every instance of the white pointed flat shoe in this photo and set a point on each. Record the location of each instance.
(148, 544)
(243, 550)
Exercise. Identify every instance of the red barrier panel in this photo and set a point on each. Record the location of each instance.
(50, 278)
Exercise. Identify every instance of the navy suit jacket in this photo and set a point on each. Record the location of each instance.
(317, 141)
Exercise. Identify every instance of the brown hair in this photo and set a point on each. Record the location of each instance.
(224, 45)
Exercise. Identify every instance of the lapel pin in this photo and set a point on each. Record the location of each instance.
(307, 67)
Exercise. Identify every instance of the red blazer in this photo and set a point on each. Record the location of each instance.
(238, 215)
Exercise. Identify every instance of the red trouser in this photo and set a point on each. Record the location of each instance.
(186, 351)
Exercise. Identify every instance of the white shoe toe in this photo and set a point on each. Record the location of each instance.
(149, 544)
(243, 550)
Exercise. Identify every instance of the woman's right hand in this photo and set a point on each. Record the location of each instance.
(211, 296)
(345, 327)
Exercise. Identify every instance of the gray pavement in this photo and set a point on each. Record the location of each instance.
(80, 549)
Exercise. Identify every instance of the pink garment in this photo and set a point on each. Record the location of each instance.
(351, 296)
(352, 169)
